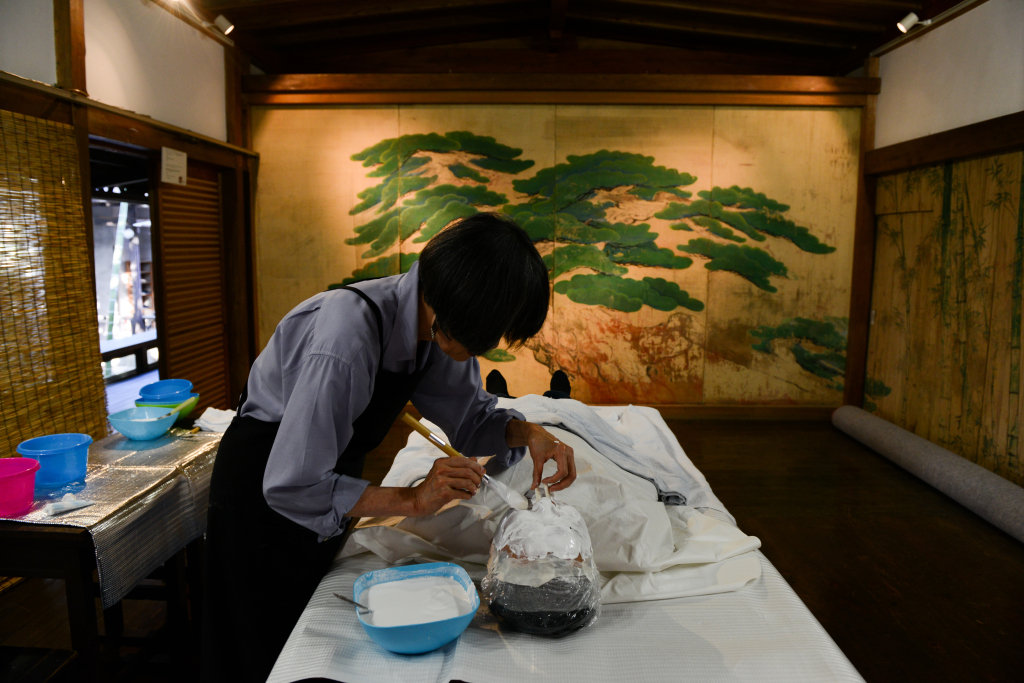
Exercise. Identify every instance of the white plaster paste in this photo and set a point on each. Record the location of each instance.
(548, 529)
(416, 601)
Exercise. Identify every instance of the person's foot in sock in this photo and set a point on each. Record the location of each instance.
(496, 385)
(560, 383)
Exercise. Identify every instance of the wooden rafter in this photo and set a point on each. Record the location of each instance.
(283, 15)
(765, 12)
(368, 33)
(684, 27)
(556, 24)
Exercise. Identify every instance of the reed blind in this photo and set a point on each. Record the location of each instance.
(191, 239)
(50, 376)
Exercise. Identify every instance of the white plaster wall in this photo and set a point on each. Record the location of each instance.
(26, 39)
(967, 70)
(141, 58)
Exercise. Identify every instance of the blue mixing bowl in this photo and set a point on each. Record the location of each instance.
(166, 390)
(127, 422)
(62, 457)
(416, 639)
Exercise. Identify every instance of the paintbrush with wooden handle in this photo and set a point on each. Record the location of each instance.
(513, 499)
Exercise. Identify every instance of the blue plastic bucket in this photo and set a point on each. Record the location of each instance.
(62, 457)
(415, 639)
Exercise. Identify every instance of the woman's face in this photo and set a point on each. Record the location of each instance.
(452, 348)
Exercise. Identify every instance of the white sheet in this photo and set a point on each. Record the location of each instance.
(645, 550)
(754, 630)
(761, 634)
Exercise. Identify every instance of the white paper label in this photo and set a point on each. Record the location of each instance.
(173, 166)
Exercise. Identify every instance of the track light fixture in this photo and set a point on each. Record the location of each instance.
(910, 21)
(223, 24)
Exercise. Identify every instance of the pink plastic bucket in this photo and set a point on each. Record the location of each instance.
(17, 484)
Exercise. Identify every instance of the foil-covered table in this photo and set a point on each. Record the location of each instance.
(150, 502)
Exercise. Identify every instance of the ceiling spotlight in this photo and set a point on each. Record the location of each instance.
(910, 21)
(227, 27)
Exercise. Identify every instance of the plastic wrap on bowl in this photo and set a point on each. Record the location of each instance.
(541, 577)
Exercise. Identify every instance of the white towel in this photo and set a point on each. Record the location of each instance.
(214, 420)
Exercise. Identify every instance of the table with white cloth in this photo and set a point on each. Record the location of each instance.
(704, 605)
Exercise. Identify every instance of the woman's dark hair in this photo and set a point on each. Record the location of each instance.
(485, 280)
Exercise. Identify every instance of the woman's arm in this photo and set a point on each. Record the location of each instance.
(449, 479)
(543, 446)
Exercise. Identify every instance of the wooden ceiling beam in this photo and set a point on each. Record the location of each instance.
(704, 83)
(759, 12)
(450, 25)
(686, 28)
(609, 61)
(282, 14)
(310, 58)
(556, 24)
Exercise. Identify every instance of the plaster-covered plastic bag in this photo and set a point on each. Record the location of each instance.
(541, 577)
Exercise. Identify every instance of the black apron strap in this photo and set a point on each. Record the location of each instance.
(380, 336)
(376, 314)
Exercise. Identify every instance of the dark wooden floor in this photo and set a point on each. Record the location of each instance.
(912, 586)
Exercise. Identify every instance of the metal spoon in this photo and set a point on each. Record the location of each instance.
(349, 600)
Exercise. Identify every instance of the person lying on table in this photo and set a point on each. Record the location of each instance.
(335, 375)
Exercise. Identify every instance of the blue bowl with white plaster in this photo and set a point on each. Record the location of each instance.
(415, 639)
(62, 457)
(143, 424)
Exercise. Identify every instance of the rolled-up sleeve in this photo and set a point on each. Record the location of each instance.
(299, 481)
(450, 396)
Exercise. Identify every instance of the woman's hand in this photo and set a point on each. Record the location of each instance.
(543, 446)
(449, 479)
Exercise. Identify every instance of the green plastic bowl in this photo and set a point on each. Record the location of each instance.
(141, 403)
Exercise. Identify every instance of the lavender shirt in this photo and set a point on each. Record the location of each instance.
(316, 376)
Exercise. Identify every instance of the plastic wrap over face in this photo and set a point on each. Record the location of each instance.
(541, 578)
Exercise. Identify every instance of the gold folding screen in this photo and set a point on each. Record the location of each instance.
(50, 379)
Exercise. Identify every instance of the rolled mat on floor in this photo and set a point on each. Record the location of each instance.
(985, 493)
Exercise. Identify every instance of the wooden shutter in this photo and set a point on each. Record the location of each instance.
(192, 286)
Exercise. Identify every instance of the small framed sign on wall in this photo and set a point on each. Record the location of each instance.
(173, 166)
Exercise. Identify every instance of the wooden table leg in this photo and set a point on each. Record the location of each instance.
(177, 601)
(113, 620)
(82, 615)
(195, 557)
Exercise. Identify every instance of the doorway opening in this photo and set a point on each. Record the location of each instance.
(125, 288)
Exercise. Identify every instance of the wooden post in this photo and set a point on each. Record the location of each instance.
(69, 44)
(236, 65)
(69, 48)
(863, 257)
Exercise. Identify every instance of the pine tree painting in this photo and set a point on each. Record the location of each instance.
(622, 325)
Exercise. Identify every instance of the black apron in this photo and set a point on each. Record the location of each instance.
(262, 568)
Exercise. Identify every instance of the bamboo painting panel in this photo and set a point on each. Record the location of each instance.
(782, 338)
(306, 187)
(887, 344)
(947, 332)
